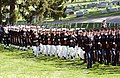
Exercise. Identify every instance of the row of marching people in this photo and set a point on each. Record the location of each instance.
(57, 43)
(18, 37)
(101, 45)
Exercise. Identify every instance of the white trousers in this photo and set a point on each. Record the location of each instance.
(72, 52)
(36, 50)
(80, 53)
(60, 54)
(65, 51)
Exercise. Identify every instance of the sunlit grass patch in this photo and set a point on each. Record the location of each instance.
(22, 64)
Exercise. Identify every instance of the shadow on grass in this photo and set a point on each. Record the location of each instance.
(78, 64)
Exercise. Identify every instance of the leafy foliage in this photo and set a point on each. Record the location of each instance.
(31, 8)
(41, 9)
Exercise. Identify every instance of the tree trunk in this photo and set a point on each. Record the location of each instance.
(12, 12)
(0, 12)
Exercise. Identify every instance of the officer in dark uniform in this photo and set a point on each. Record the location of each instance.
(24, 40)
(118, 46)
(27, 37)
(98, 46)
(1, 33)
(30, 37)
(6, 39)
(87, 46)
(17, 38)
(11, 36)
(109, 40)
(92, 52)
(21, 38)
(104, 42)
(79, 38)
(83, 45)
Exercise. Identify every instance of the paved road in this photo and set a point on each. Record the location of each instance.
(109, 19)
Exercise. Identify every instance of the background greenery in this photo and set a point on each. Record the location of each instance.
(47, 10)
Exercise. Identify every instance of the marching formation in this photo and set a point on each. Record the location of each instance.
(99, 45)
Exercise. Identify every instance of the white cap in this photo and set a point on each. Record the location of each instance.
(71, 29)
(80, 31)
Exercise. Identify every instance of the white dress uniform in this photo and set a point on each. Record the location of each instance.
(81, 53)
(72, 47)
(48, 46)
(35, 46)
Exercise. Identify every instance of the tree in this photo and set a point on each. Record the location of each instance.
(30, 8)
(41, 8)
(3, 9)
(12, 11)
(56, 9)
(4, 4)
(0, 11)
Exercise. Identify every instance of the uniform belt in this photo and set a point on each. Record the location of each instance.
(87, 44)
(35, 41)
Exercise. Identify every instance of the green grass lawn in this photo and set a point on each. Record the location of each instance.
(22, 64)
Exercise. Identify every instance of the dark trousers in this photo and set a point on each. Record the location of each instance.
(89, 60)
(118, 57)
(107, 56)
(114, 57)
(93, 56)
(85, 59)
(99, 56)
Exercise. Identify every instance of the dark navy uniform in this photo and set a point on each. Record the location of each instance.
(79, 40)
(98, 48)
(1, 34)
(104, 43)
(118, 48)
(57, 39)
(51, 39)
(6, 39)
(87, 46)
(24, 40)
